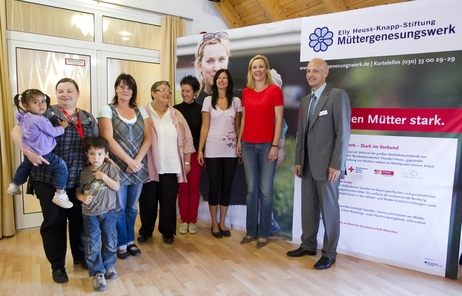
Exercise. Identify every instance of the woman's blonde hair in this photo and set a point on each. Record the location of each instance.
(250, 79)
(200, 54)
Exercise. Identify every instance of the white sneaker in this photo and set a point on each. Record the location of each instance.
(111, 273)
(13, 189)
(183, 228)
(99, 283)
(192, 228)
(62, 200)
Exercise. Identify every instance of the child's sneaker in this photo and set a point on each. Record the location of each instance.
(111, 273)
(99, 283)
(13, 189)
(192, 228)
(183, 228)
(62, 200)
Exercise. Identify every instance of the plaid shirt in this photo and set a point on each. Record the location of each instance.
(68, 146)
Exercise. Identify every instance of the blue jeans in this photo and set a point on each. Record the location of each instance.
(100, 236)
(274, 228)
(57, 166)
(126, 211)
(259, 174)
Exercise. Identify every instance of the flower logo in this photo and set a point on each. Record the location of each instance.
(321, 39)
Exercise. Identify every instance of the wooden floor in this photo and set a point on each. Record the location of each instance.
(200, 264)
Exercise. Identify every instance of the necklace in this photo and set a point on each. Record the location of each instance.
(124, 112)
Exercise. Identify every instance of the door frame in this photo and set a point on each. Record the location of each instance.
(34, 219)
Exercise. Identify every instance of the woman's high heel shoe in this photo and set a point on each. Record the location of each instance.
(247, 239)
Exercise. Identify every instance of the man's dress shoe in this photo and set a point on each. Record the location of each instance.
(300, 252)
(324, 263)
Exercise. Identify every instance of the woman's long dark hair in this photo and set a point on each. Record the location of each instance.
(229, 89)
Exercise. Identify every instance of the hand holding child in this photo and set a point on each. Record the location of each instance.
(63, 123)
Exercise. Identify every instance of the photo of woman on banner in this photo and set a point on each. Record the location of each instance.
(212, 55)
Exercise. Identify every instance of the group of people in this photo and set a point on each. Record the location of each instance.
(323, 133)
(92, 173)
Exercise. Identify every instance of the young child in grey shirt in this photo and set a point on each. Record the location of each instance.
(97, 191)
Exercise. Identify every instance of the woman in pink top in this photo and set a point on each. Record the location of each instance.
(263, 108)
(221, 116)
(169, 161)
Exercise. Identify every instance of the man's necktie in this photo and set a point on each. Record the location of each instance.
(311, 108)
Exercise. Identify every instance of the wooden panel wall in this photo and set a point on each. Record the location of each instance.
(241, 13)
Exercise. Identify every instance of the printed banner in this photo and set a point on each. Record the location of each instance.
(407, 28)
(398, 191)
(431, 120)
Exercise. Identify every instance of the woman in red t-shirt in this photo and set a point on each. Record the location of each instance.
(263, 109)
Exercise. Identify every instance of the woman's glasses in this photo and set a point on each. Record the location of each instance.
(163, 90)
(209, 36)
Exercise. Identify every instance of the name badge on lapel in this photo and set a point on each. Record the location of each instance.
(323, 112)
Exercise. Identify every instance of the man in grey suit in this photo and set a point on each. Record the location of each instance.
(321, 153)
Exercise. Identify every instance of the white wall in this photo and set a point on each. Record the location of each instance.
(202, 12)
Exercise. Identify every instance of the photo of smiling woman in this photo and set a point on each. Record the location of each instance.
(123, 124)
(188, 192)
(169, 161)
(221, 116)
(212, 54)
(263, 110)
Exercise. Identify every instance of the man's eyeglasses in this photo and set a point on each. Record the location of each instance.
(163, 90)
(209, 36)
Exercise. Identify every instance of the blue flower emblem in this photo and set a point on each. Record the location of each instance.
(321, 39)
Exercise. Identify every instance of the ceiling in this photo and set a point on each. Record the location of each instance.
(242, 13)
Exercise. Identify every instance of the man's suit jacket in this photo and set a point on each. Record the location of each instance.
(328, 134)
